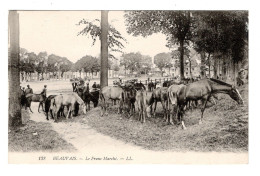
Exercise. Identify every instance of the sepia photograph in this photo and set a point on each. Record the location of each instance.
(128, 86)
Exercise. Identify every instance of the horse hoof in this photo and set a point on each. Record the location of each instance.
(200, 122)
(47, 119)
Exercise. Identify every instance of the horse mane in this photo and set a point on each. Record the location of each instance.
(220, 82)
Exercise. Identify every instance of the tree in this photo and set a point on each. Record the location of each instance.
(65, 65)
(131, 61)
(146, 64)
(110, 39)
(176, 25)
(14, 109)
(163, 60)
(222, 34)
(52, 64)
(115, 67)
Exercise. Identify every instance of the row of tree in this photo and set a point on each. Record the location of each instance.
(221, 36)
(42, 64)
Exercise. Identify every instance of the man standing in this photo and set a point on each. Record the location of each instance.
(28, 90)
(44, 91)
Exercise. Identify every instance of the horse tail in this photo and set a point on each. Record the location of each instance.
(52, 103)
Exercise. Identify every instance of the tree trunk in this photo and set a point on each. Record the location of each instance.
(235, 73)
(181, 59)
(125, 70)
(104, 49)
(202, 67)
(224, 69)
(215, 68)
(190, 69)
(15, 118)
(209, 64)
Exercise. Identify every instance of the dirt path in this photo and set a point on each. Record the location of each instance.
(81, 135)
(93, 144)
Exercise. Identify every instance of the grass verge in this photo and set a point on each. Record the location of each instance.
(36, 137)
(224, 128)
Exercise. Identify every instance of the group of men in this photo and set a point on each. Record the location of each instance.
(29, 90)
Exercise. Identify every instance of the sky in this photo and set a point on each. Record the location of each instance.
(56, 33)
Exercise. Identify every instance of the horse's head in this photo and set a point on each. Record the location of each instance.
(235, 95)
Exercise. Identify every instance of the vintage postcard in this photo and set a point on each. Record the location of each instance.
(128, 87)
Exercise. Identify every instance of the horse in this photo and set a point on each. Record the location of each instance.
(130, 98)
(144, 100)
(60, 112)
(35, 98)
(68, 100)
(88, 96)
(113, 93)
(160, 94)
(203, 90)
(172, 102)
(168, 83)
(139, 86)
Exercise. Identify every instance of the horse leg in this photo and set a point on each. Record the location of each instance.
(203, 109)
(106, 108)
(145, 113)
(102, 110)
(51, 114)
(120, 108)
(164, 110)
(88, 105)
(29, 106)
(39, 107)
(56, 111)
(155, 104)
(180, 112)
(42, 107)
(72, 111)
(68, 113)
(170, 115)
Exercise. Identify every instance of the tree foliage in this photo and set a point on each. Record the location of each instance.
(176, 25)
(92, 29)
(87, 63)
(163, 60)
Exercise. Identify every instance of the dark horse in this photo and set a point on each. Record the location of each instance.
(35, 98)
(88, 96)
(203, 90)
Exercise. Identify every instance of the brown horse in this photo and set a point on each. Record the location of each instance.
(112, 93)
(172, 102)
(144, 100)
(203, 90)
(68, 100)
(160, 94)
(35, 98)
